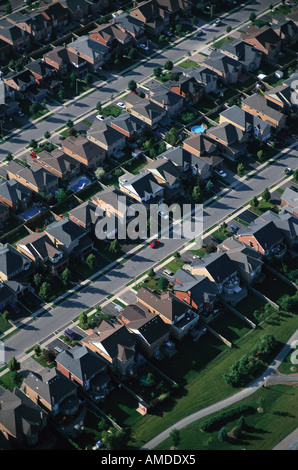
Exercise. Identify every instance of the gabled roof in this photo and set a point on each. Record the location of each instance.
(11, 260)
(165, 169)
(14, 191)
(35, 175)
(265, 232)
(227, 132)
(166, 304)
(241, 118)
(86, 213)
(244, 52)
(82, 147)
(259, 103)
(222, 63)
(39, 245)
(201, 142)
(200, 287)
(242, 255)
(142, 184)
(103, 132)
(89, 47)
(218, 265)
(291, 198)
(284, 221)
(65, 231)
(40, 67)
(265, 36)
(57, 160)
(282, 94)
(81, 362)
(115, 198)
(130, 24)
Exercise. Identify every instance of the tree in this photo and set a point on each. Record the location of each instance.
(209, 186)
(161, 147)
(98, 106)
(177, 255)
(88, 79)
(44, 102)
(141, 94)
(37, 279)
(222, 434)
(99, 173)
(66, 277)
(47, 134)
(49, 355)
(151, 273)
(179, 28)
(37, 350)
(14, 365)
(132, 53)
(254, 202)
(72, 78)
(169, 65)
(266, 195)
(240, 169)
(44, 291)
(69, 123)
(61, 195)
(194, 20)
(196, 195)
(83, 319)
(210, 248)
(295, 175)
(150, 380)
(172, 136)
(163, 283)
(33, 143)
(252, 17)
(90, 261)
(157, 71)
(132, 85)
(261, 156)
(9, 157)
(61, 95)
(33, 108)
(8, 8)
(114, 246)
(174, 437)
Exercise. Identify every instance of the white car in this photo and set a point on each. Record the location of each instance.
(21, 114)
(121, 105)
(100, 117)
(163, 214)
(217, 22)
(143, 46)
(221, 173)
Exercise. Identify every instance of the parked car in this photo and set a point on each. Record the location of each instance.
(100, 117)
(121, 105)
(234, 228)
(288, 171)
(143, 46)
(294, 188)
(154, 243)
(200, 33)
(33, 155)
(221, 173)
(70, 334)
(21, 113)
(58, 350)
(167, 272)
(217, 22)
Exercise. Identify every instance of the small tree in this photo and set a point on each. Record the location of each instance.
(174, 437)
(33, 108)
(252, 17)
(157, 71)
(99, 173)
(47, 134)
(61, 195)
(163, 283)
(66, 277)
(261, 156)
(132, 53)
(228, 29)
(49, 355)
(240, 169)
(37, 279)
(114, 246)
(266, 195)
(151, 273)
(9, 157)
(88, 79)
(61, 95)
(222, 434)
(14, 365)
(83, 319)
(169, 65)
(69, 123)
(132, 85)
(255, 201)
(177, 255)
(98, 106)
(90, 261)
(5, 315)
(197, 195)
(33, 143)
(8, 8)
(37, 350)
(150, 380)
(44, 291)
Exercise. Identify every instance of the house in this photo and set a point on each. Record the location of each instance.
(105, 136)
(169, 100)
(83, 150)
(111, 35)
(265, 39)
(85, 215)
(15, 195)
(257, 105)
(286, 222)
(247, 55)
(8, 104)
(42, 251)
(59, 164)
(6, 296)
(15, 270)
(77, 9)
(4, 214)
(92, 52)
(248, 261)
(198, 292)
(280, 98)
(205, 148)
(204, 75)
(190, 88)
(65, 62)
(142, 187)
(187, 163)
(231, 140)
(145, 110)
(131, 25)
(16, 38)
(45, 75)
(54, 392)
(126, 124)
(289, 200)
(264, 237)
(35, 24)
(287, 30)
(84, 368)
(21, 420)
(56, 14)
(115, 344)
(21, 82)
(228, 69)
(69, 237)
(35, 178)
(246, 122)
(166, 173)
(150, 331)
(172, 310)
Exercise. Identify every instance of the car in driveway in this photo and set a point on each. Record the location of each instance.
(288, 171)
(100, 117)
(33, 155)
(70, 334)
(234, 228)
(220, 173)
(121, 105)
(20, 113)
(217, 22)
(200, 33)
(143, 46)
(154, 243)
(167, 272)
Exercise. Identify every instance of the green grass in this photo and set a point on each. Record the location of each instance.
(175, 265)
(4, 325)
(7, 382)
(111, 110)
(122, 406)
(265, 430)
(263, 207)
(188, 63)
(219, 44)
(274, 288)
(287, 367)
(230, 326)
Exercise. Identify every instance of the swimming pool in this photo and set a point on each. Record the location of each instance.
(198, 129)
(80, 183)
(30, 213)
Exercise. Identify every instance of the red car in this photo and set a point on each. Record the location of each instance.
(154, 243)
(33, 155)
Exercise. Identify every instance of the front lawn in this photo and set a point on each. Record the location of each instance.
(189, 63)
(111, 110)
(230, 326)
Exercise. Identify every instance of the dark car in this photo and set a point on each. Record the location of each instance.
(71, 334)
(234, 228)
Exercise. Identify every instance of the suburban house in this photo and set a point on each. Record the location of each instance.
(131, 25)
(192, 164)
(69, 237)
(145, 110)
(111, 35)
(85, 215)
(247, 55)
(35, 24)
(65, 62)
(4, 214)
(188, 87)
(246, 122)
(264, 237)
(166, 173)
(42, 251)
(45, 75)
(289, 200)
(223, 272)
(57, 14)
(35, 178)
(280, 98)
(92, 52)
(15, 195)
(150, 331)
(287, 30)
(24, 84)
(84, 368)
(265, 39)
(115, 344)
(204, 75)
(77, 9)
(142, 187)
(21, 420)
(83, 150)
(248, 261)
(286, 222)
(59, 163)
(126, 124)
(16, 38)
(15, 270)
(6, 296)
(257, 105)
(228, 69)
(172, 310)
(9, 106)
(198, 292)
(163, 97)
(105, 136)
(230, 140)
(52, 391)
(204, 147)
